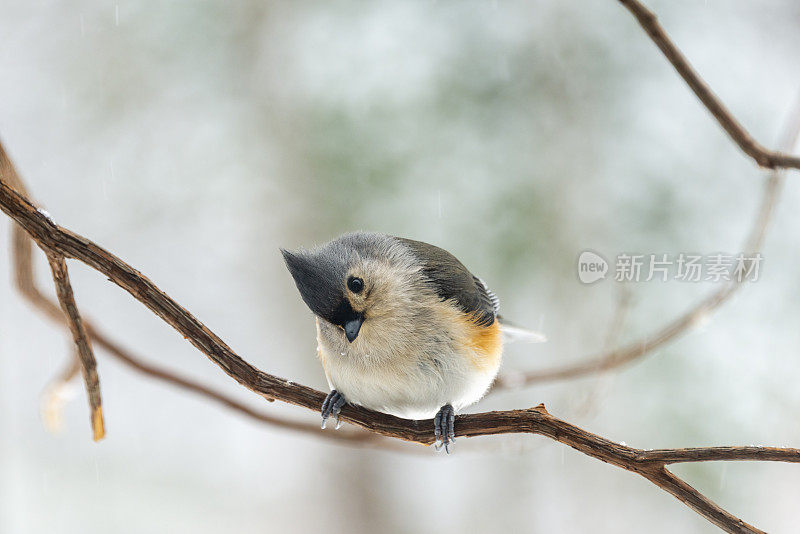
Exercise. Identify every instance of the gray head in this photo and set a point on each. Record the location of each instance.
(353, 279)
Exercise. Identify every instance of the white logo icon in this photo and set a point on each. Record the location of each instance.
(591, 267)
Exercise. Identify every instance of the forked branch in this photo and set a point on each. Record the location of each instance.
(625, 354)
(59, 243)
(85, 355)
(762, 156)
(650, 464)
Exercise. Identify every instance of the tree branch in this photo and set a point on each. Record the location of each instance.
(649, 464)
(25, 280)
(26, 283)
(59, 243)
(56, 394)
(630, 352)
(666, 480)
(85, 355)
(762, 156)
(717, 454)
(627, 353)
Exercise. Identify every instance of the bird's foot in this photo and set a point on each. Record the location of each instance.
(444, 428)
(332, 406)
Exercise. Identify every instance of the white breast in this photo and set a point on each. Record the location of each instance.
(409, 376)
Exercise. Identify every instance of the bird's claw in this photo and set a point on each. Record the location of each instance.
(332, 406)
(444, 428)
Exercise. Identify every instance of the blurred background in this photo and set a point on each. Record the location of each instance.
(195, 138)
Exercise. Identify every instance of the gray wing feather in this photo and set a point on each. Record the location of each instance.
(453, 281)
(492, 297)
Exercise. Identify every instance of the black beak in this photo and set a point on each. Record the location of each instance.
(352, 327)
(316, 281)
(320, 280)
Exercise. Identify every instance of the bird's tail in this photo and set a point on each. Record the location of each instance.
(513, 333)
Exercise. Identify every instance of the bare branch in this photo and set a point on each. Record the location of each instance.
(59, 243)
(58, 240)
(629, 352)
(698, 502)
(617, 323)
(26, 283)
(85, 355)
(57, 392)
(354, 437)
(589, 403)
(612, 359)
(717, 454)
(24, 276)
(763, 156)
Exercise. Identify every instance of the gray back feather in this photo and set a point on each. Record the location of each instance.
(453, 281)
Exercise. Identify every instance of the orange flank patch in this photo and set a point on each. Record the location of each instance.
(486, 344)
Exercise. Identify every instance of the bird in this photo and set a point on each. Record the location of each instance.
(403, 327)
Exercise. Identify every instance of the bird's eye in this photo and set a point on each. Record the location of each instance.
(355, 284)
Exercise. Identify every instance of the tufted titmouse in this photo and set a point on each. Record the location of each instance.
(402, 327)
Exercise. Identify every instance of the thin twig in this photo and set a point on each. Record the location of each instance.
(696, 314)
(355, 437)
(763, 156)
(57, 392)
(58, 267)
(627, 353)
(25, 280)
(678, 488)
(618, 319)
(717, 454)
(589, 404)
(57, 240)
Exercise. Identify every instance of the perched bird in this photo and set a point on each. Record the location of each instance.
(402, 327)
